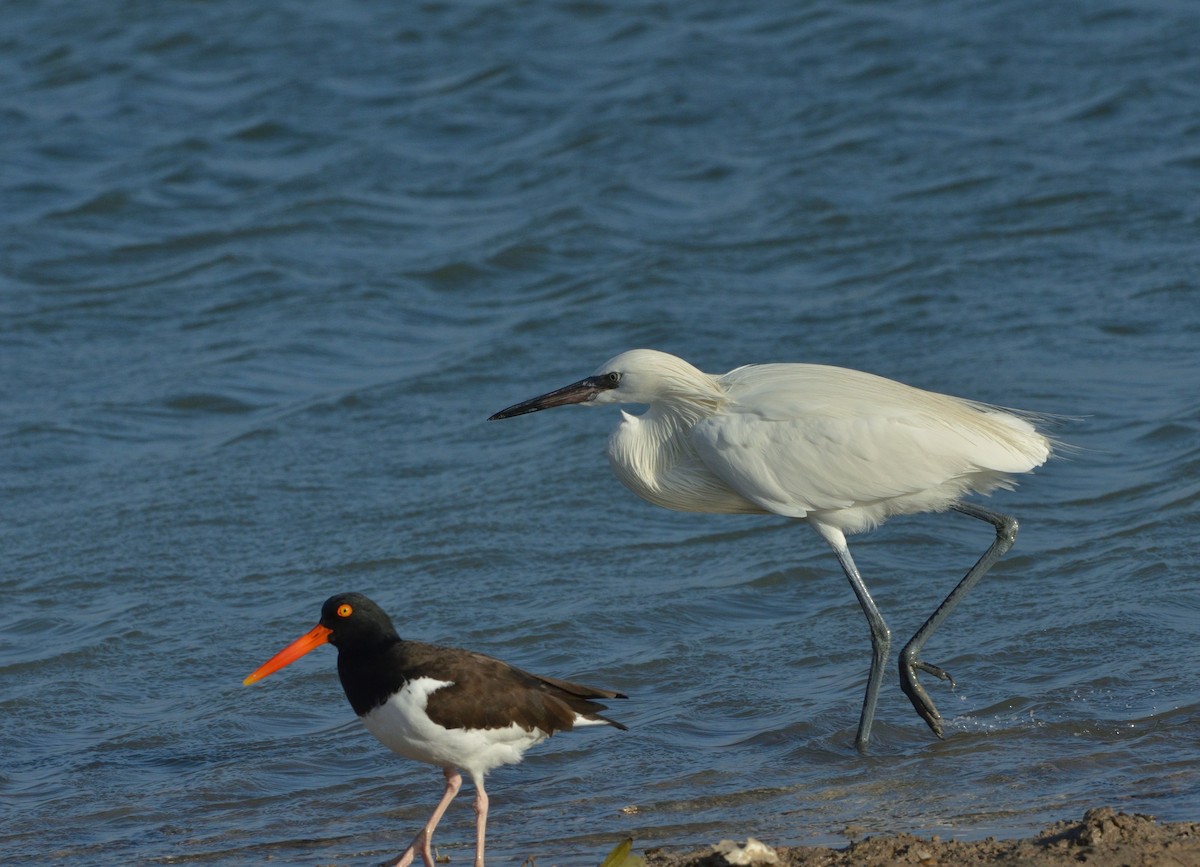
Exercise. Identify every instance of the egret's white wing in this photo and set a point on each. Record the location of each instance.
(798, 438)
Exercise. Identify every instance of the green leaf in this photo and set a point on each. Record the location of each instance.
(622, 856)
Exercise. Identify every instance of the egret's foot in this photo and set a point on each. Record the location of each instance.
(939, 673)
(911, 684)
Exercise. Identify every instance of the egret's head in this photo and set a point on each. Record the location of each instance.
(649, 376)
(638, 376)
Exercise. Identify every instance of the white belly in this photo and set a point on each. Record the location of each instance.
(402, 725)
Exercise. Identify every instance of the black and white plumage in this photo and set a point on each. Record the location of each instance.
(840, 449)
(445, 706)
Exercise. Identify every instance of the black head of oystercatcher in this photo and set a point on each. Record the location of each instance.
(449, 707)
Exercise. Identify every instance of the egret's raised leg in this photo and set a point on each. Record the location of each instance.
(881, 636)
(422, 842)
(1006, 534)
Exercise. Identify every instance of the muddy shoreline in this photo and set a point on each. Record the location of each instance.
(1102, 838)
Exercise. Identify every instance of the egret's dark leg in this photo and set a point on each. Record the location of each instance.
(1006, 534)
(881, 636)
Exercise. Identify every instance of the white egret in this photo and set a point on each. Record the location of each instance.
(838, 448)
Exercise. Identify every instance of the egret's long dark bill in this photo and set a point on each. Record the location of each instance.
(576, 392)
(310, 640)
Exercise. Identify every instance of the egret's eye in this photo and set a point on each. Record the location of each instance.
(612, 377)
(344, 610)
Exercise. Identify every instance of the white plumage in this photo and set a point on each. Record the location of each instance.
(850, 448)
(402, 725)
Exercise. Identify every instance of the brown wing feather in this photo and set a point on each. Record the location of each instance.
(487, 693)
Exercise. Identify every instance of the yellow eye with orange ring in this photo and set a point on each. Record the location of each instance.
(344, 610)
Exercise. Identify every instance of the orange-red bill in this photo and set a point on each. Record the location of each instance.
(310, 640)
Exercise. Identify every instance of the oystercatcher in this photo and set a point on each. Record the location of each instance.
(449, 707)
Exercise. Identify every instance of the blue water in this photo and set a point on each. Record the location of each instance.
(265, 270)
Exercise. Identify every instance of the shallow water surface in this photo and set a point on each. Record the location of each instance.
(268, 269)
